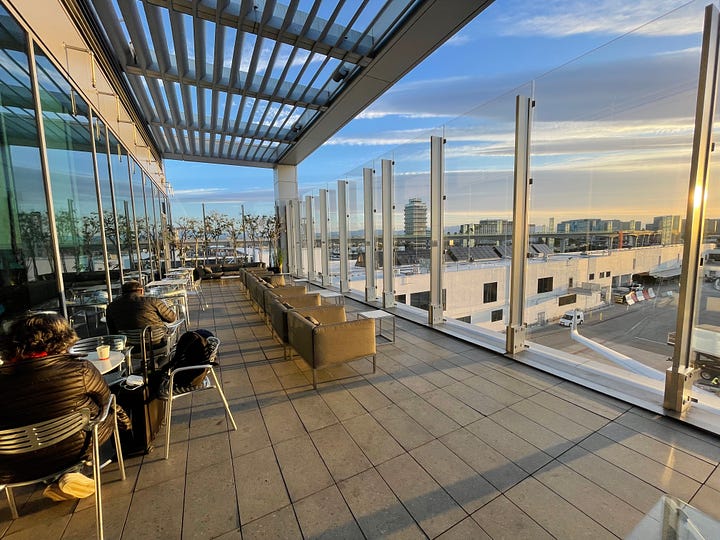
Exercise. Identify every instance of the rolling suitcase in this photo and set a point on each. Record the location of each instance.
(146, 413)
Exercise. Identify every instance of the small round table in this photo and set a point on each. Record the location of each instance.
(105, 366)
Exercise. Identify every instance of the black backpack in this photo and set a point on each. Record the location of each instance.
(192, 349)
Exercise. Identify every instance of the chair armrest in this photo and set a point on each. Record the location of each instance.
(103, 414)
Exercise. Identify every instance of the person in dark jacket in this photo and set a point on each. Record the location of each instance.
(133, 310)
(40, 380)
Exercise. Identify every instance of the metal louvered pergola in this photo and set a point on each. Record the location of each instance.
(257, 82)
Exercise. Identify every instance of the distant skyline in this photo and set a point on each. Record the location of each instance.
(618, 120)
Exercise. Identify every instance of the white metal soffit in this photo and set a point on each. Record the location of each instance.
(257, 82)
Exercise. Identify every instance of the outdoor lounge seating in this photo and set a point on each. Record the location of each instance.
(278, 308)
(322, 337)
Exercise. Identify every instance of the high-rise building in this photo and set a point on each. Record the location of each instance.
(416, 217)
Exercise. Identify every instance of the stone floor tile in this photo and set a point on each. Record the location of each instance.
(492, 465)
(259, 484)
(367, 395)
(657, 474)
(683, 462)
(526, 456)
(433, 420)
(553, 513)
(302, 467)
(472, 398)
(211, 506)
(404, 429)
(701, 444)
(551, 420)
(602, 506)
(466, 529)
(376, 508)
(341, 454)
(279, 524)
(312, 410)
(376, 443)
(341, 402)
(430, 374)
(621, 483)
(486, 385)
(156, 512)
(466, 486)
(707, 500)
(282, 421)
(325, 516)
(539, 436)
(413, 381)
(574, 412)
(429, 504)
(452, 407)
(251, 433)
(502, 520)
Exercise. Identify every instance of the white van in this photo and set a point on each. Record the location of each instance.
(567, 319)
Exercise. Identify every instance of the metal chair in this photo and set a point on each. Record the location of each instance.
(42, 435)
(170, 393)
(195, 289)
(142, 340)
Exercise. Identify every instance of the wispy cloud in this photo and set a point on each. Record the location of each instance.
(559, 18)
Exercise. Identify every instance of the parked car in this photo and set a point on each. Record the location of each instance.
(576, 315)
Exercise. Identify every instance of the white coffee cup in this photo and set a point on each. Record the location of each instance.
(103, 352)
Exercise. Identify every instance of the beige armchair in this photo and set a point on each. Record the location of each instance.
(278, 308)
(323, 336)
(271, 292)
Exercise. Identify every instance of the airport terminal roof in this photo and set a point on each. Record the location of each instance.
(260, 82)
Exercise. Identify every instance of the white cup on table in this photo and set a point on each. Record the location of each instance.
(103, 352)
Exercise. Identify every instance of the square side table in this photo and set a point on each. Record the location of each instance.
(378, 315)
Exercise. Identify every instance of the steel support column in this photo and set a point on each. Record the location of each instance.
(516, 328)
(369, 211)
(324, 244)
(343, 233)
(310, 238)
(388, 206)
(437, 210)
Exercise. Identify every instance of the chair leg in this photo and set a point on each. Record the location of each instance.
(118, 448)
(11, 502)
(374, 363)
(314, 379)
(168, 419)
(222, 396)
(98, 484)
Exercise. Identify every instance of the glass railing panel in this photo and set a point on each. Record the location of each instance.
(705, 340)
(411, 223)
(356, 231)
(377, 215)
(316, 244)
(611, 149)
(479, 184)
(333, 228)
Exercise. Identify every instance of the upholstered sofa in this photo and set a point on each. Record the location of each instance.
(278, 308)
(323, 336)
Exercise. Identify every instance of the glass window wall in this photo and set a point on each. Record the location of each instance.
(27, 279)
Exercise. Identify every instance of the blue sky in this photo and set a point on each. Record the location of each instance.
(611, 115)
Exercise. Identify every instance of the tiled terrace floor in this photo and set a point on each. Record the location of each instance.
(446, 440)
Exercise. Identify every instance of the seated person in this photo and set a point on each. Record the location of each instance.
(40, 380)
(133, 310)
